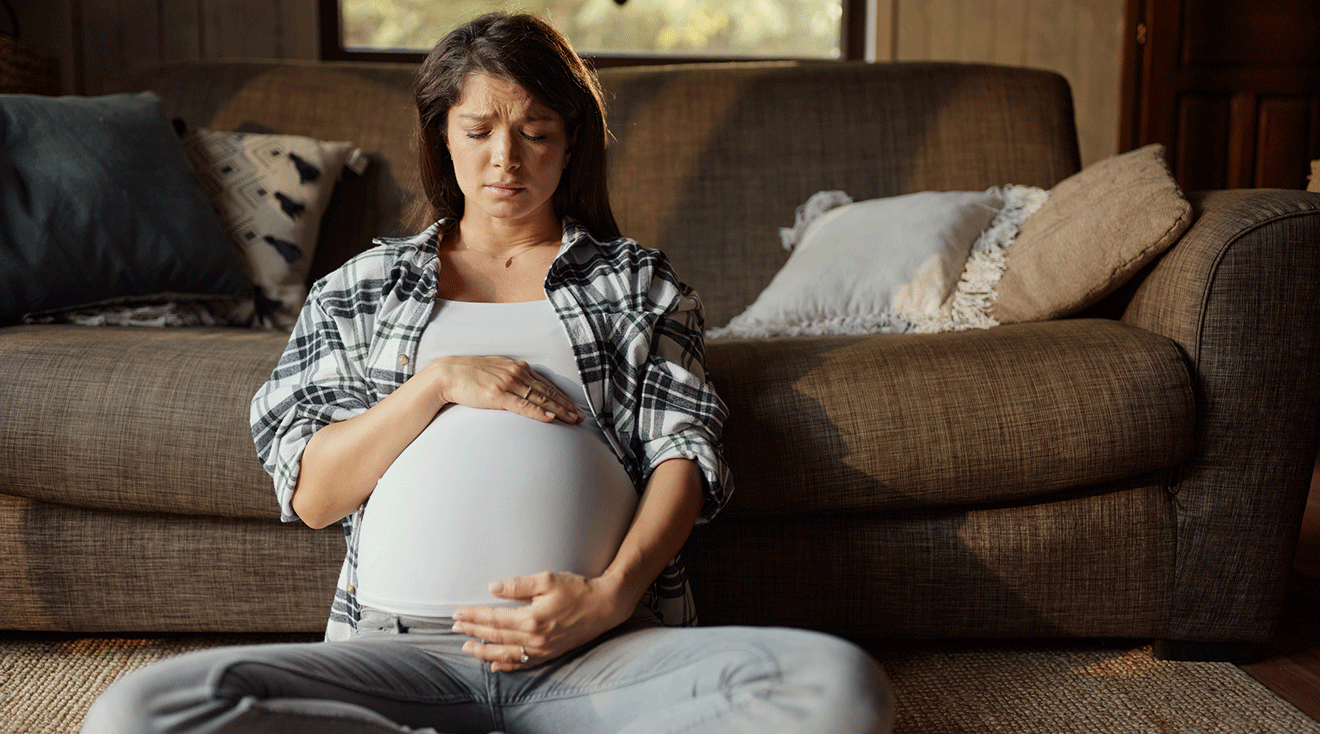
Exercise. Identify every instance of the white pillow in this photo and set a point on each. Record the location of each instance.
(270, 192)
(898, 264)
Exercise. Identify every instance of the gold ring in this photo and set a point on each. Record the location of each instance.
(524, 654)
(529, 393)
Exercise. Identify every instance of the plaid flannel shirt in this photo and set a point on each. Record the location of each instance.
(636, 333)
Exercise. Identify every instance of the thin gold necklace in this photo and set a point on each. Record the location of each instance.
(508, 262)
(448, 222)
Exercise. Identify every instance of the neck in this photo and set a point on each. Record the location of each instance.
(501, 236)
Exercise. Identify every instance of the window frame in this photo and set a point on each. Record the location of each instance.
(330, 22)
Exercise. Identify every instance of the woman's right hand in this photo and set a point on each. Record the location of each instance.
(503, 384)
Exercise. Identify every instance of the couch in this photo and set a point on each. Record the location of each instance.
(1137, 470)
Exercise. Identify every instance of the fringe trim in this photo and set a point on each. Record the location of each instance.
(819, 203)
(969, 306)
(882, 323)
(174, 311)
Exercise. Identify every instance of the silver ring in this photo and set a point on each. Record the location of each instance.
(529, 393)
(524, 654)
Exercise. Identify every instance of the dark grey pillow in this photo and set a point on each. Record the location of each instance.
(98, 201)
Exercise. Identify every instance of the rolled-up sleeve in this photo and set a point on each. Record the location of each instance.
(679, 413)
(317, 381)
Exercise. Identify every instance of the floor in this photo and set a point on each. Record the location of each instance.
(1292, 667)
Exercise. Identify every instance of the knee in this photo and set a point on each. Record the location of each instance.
(853, 692)
(147, 699)
(124, 706)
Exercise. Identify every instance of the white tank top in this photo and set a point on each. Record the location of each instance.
(482, 495)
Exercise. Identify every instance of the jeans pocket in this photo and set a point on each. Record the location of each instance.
(374, 622)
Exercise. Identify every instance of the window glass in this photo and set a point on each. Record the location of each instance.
(764, 28)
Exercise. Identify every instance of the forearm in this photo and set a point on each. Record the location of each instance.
(665, 516)
(343, 461)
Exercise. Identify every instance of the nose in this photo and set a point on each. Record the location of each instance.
(505, 154)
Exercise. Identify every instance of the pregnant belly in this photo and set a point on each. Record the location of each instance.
(483, 495)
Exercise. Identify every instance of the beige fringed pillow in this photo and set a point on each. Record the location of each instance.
(1097, 229)
(919, 262)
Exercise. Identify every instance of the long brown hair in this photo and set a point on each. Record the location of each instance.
(526, 50)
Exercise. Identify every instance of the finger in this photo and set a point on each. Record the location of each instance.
(492, 624)
(528, 377)
(523, 399)
(564, 407)
(546, 398)
(502, 658)
(523, 587)
(488, 642)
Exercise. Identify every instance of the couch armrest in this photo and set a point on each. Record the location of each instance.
(1238, 293)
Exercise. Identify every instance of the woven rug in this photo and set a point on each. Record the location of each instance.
(46, 684)
(1097, 689)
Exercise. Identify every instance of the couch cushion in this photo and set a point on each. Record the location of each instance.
(97, 201)
(157, 420)
(135, 419)
(69, 568)
(998, 415)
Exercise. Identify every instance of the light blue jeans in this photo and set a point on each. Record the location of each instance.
(404, 674)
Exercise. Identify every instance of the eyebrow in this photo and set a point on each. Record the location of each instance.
(483, 116)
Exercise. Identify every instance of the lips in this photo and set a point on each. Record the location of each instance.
(504, 189)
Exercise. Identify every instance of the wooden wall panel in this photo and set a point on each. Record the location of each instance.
(1204, 122)
(243, 28)
(1010, 37)
(1261, 55)
(109, 43)
(977, 26)
(1080, 39)
(300, 31)
(1285, 141)
(1272, 33)
(97, 39)
(181, 30)
(912, 30)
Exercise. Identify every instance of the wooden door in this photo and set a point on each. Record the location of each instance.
(1230, 87)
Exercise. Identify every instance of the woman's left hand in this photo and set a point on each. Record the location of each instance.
(566, 612)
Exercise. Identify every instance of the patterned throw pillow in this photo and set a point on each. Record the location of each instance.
(270, 192)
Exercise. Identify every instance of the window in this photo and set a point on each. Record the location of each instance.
(612, 32)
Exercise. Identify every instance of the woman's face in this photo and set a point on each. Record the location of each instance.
(509, 150)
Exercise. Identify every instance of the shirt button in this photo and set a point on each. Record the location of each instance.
(351, 589)
(403, 359)
(430, 293)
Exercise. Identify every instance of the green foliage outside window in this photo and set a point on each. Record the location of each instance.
(773, 28)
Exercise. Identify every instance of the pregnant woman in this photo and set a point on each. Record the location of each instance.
(509, 415)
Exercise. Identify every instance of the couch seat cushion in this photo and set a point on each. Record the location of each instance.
(156, 420)
(899, 421)
(135, 419)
